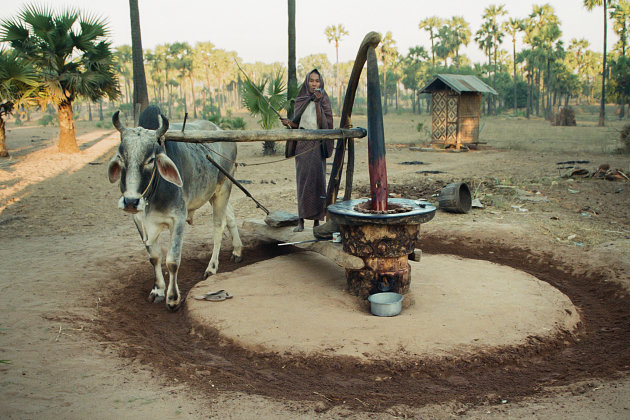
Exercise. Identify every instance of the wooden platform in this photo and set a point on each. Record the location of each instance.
(330, 250)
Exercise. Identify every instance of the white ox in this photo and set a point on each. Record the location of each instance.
(142, 167)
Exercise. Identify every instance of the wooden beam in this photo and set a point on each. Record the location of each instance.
(330, 250)
(262, 135)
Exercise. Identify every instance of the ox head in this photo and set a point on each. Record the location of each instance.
(139, 160)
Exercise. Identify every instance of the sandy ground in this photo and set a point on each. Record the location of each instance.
(78, 340)
(455, 307)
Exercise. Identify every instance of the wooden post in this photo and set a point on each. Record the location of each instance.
(376, 136)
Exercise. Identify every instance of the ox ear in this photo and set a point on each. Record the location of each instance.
(168, 170)
(114, 169)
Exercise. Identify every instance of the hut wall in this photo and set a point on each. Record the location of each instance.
(469, 116)
(445, 104)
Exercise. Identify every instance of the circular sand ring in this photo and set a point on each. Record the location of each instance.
(297, 304)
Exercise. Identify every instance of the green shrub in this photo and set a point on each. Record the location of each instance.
(625, 137)
(419, 127)
(236, 123)
(46, 119)
(105, 124)
(215, 118)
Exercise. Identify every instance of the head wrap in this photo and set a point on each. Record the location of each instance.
(304, 97)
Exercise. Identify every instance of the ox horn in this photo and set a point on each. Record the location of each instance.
(163, 128)
(116, 121)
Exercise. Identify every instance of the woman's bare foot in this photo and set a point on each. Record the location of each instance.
(300, 226)
(315, 223)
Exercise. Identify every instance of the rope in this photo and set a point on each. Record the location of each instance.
(150, 181)
(256, 163)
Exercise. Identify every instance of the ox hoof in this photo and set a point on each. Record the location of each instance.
(173, 307)
(236, 258)
(155, 298)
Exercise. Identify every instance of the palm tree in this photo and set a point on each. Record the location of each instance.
(491, 15)
(124, 63)
(18, 84)
(388, 54)
(314, 61)
(72, 55)
(590, 5)
(140, 94)
(621, 14)
(483, 38)
(431, 25)
(461, 35)
(203, 57)
(335, 33)
(414, 72)
(513, 27)
(259, 103)
(542, 30)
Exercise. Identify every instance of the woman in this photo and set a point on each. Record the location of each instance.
(312, 111)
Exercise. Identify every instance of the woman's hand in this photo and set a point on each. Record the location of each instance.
(318, 95)
(287, 122)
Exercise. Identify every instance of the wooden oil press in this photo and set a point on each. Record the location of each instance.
(381, 232)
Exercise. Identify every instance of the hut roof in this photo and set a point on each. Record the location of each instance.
(459, 83)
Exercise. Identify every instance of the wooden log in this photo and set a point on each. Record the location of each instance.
(333, 251)
(262, 135)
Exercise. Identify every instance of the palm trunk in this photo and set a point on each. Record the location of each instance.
(337, 78)
(538, 93)
(548, 111)
(514, 59)
(3, 139)
(384, 89)
(494, 83)
(622, 109)
(192, 91)
(127, 90)
(89, 110)
(602, 106)
(140, 93)
(529, 93)
(67, 129)
(100, 110)
(292, 86)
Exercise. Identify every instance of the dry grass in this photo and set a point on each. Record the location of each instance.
(505, 132)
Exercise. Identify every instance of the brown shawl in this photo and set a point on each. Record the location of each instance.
(324, 113)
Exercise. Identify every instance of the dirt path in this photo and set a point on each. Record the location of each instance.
(77, 338)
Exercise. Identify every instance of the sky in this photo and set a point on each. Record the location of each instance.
(257, 29)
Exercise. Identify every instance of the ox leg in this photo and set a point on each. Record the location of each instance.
(173, 260)
(219, 203)
(237, 245)
(155, 258)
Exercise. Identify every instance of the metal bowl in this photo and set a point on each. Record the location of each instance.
(386, 303)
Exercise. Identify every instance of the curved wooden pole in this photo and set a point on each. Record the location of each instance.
(371, 40)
